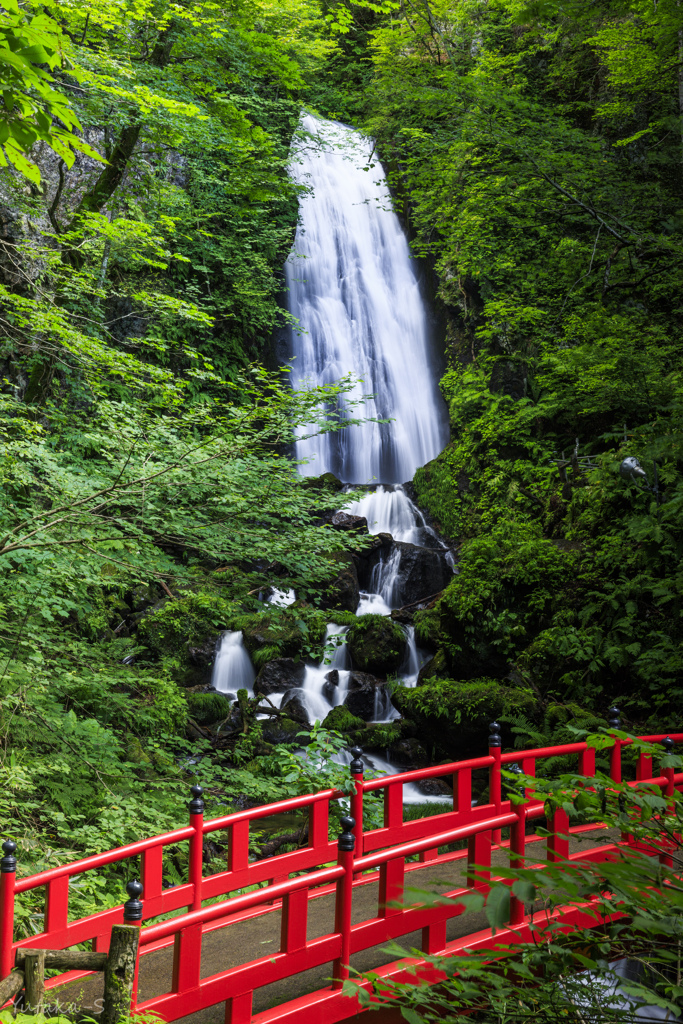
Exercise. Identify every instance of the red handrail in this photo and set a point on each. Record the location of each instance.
(382, 851)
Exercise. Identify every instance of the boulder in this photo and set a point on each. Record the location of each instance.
(281, 632)
(422, 572)
(434, 787)
(330, 685)
(433, 669)
(343, 592)
(345, 521)
(362, 695)
(281, 730)
(207, 708)
(454, 715)
(409, 753)
(294, 705)
(342, 720)
(376, 644)
(279, 675)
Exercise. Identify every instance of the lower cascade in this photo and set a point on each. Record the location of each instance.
(353, 290)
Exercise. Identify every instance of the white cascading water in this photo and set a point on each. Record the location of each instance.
(232, 669)
(353, 289)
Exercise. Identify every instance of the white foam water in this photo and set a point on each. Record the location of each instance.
(352, 286)
(232, 669)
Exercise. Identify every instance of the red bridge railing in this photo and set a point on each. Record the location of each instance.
(291, 881)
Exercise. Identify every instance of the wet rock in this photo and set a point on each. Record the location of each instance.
(434, 787)
(203, 655)
(281, 730)
(376, 644)
(345, 521)
(343, 593)
(143, 596)
(279, 675)
(409, 753)
(433, 669)
(422, 572)
(364, 690)
(330, 685)
(294, 705)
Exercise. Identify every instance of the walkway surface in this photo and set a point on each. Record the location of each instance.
(248, 940)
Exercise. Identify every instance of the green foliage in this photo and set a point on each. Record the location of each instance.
(292, 632)
(454, 716)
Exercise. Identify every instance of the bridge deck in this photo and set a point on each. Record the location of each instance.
(250, 939)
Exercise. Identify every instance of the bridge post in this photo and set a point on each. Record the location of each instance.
(495, 744)
(614, 722)
(342, 916)
(196, 808)
(356, 769)
(133, 912)
(8, 872)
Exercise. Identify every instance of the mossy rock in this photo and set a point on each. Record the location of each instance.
(341, 720)
(376, 644)
(282, 633)
(453, 716)
(379, 737)
(435, 668)
(428, 631)
(183, 627)
(341, 618)
(207, 708)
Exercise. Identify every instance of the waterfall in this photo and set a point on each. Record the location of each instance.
(233, 670)
(353, 288)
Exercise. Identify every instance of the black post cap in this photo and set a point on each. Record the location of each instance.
(132, 908)
(514, 767)
(356, 766)
(8, 864)
(614, 718)
(196, 804)
(494, 737)
(347, 840)
(668, 744)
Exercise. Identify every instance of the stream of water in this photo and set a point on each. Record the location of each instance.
(353, 289)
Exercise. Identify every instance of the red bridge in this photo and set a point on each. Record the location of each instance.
(339, 874)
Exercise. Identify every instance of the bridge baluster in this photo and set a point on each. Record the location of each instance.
(479, 861)
(294, 920)
(558, 841)
(462, 793)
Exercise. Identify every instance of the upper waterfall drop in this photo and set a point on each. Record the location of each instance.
(353, 289)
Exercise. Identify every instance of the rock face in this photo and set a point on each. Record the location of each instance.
(363, 691)
(281, 730)
(376, 645)
(330, 685)
(344, 521)
(343, 593)
(422, 572)
(279, 675)
(294, 705)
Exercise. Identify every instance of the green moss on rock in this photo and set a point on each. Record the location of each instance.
(341, 720)
(282, 633)
(179, 627)
(454, 716)
(376, 644)
(207, 708)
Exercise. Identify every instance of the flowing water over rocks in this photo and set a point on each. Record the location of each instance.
(353, 289)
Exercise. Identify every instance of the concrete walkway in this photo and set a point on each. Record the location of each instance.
(252, 939)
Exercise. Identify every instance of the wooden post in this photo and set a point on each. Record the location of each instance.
(34, 977)
(119, 974)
